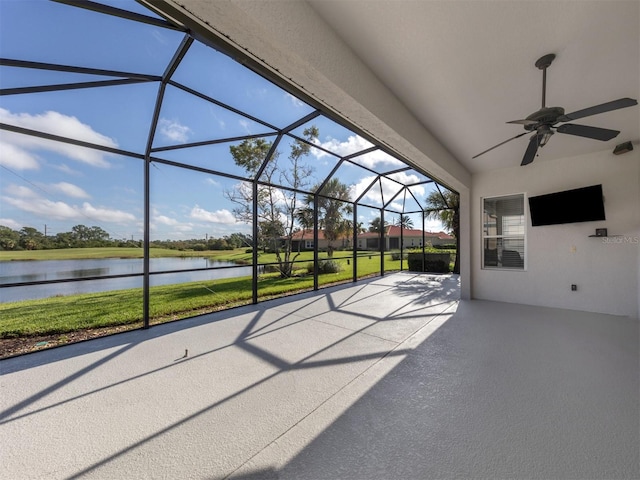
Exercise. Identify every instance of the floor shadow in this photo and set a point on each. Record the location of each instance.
(125, 341)
(467, 404)
(265, 474)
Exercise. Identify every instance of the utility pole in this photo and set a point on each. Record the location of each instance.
(45, 230)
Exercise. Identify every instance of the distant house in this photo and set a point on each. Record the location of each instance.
(303, 240)
(411, 238)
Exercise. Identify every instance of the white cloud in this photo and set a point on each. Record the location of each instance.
(16, 158)
(219, 216)
(296, 102)
(29, 201)
(407, 179)
(353, 144)
(376, 159)
(359, 188)
(164, 220)
(245, 125)
(211, 181)
(58, 124)
(158, 220)
(176, 229)
(173, 130)
(68, 189)
(389, 189)
(105, 214)
(20, 191)
(66, 169)
(12, 224)
(433, 225)
(160, 38)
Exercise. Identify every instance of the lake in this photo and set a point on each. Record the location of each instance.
(40, 270)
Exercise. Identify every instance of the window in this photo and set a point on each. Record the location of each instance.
(308, 244)
(503, 232)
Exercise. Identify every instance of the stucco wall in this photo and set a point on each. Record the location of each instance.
(606, 271)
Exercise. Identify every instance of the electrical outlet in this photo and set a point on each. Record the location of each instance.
(574, 287)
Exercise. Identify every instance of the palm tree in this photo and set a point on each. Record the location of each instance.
(445, 206)
(305, 219)
(374, 225)
(404, 221)
(332, 205)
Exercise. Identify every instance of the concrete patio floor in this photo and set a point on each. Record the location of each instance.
(390, 378)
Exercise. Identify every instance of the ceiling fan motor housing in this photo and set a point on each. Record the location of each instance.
(544, 116)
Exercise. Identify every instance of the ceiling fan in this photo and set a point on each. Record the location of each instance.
(545, 120)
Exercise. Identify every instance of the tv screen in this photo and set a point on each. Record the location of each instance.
(571, 206)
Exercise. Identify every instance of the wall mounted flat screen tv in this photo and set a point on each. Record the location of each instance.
(571, 206)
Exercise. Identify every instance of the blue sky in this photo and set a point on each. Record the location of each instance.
(60, 185)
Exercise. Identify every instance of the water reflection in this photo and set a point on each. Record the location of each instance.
(86, 272)
(34, 271)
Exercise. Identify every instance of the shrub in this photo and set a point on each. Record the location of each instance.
(329, 266)
(445, 246)
(396, 256)
(435, 263)
(325, 266)
(249, 250)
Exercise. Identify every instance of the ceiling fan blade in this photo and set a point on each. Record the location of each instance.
(523, 122)
(500, 144)
(532, 149)
(596, 133)
(604, 107)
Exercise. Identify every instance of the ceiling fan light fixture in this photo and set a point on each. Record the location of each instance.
(544, 134)
(623, 148)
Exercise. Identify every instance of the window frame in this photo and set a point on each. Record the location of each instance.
(484, 236)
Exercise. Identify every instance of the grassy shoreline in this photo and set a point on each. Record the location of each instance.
(60, 318)
(98, 252)
(63, 314)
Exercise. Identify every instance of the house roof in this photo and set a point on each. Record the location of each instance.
(307, 235)
(391, 231)
(394, 231)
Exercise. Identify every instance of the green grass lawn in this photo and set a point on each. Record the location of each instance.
(64, 314)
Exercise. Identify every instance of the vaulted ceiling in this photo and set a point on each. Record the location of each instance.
(465, 68)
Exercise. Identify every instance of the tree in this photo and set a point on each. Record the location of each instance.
(63, 240)
(305, 219)
(9, 239)
(238, 240)
(80, 234)
(374, 225)
(277, 209)
(332, 206)
(97, 236)
(445, 207)
(404, 221)
(31, 239)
